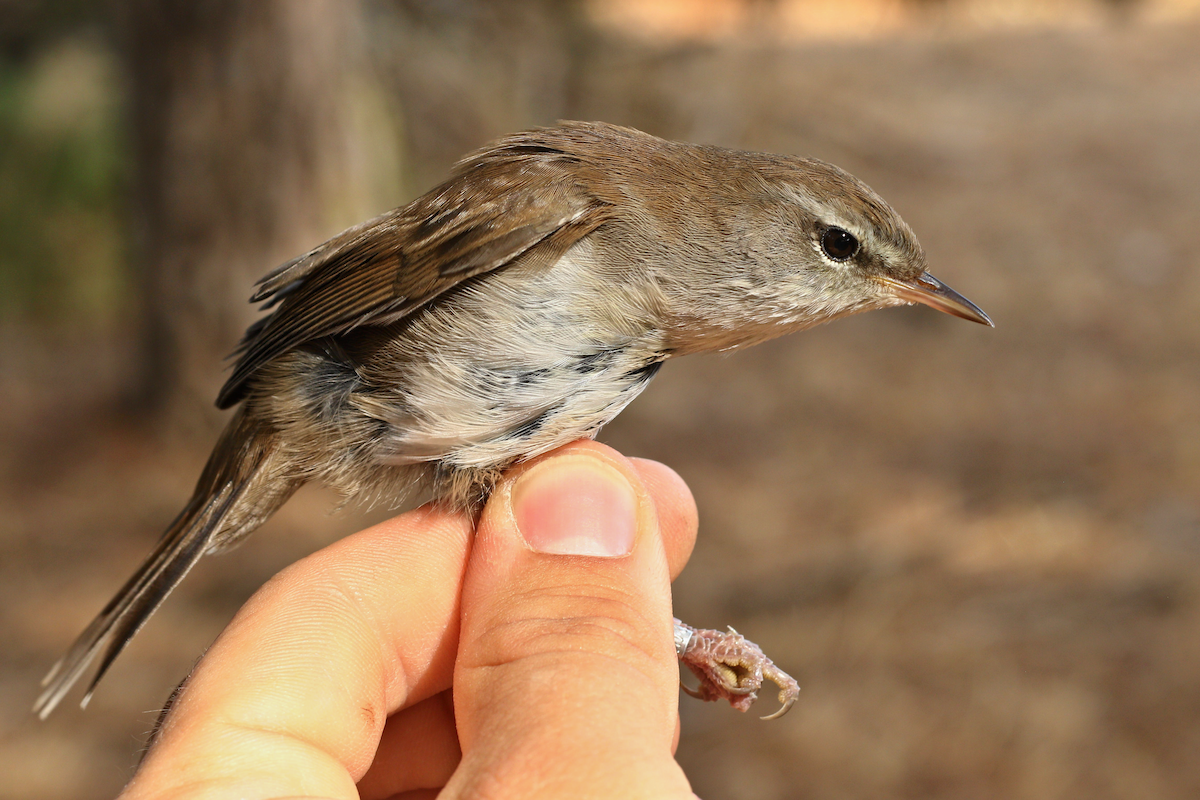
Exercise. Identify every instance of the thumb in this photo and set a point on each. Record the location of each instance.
(566, 683)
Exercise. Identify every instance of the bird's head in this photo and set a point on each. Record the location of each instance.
(761, 245)
(854, 251)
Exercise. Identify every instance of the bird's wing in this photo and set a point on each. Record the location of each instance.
(500, 205)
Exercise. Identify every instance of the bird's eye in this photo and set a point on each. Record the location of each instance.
(838, 244)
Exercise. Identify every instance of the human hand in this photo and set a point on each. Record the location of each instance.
(335, 679)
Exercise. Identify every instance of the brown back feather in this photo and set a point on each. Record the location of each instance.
(500, 203)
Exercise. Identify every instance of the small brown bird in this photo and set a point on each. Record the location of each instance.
(521, 305)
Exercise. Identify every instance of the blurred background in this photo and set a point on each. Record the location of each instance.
(978, 550)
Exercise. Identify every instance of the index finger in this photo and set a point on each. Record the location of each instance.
(293, 696)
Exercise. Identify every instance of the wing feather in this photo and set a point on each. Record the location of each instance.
(500, 204)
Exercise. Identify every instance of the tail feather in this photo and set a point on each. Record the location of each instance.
(103, 622)
(231, 498)
(180, 549)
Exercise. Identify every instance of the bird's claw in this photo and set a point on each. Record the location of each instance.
(731, 667)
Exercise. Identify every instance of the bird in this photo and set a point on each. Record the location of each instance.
(519, 305)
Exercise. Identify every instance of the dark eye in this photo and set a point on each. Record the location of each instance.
(838, 244)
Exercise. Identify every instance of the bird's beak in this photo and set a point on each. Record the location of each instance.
(928, 290)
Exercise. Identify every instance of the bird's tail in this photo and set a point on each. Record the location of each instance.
(241, 486)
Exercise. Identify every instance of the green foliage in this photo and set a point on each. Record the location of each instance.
(63, 165)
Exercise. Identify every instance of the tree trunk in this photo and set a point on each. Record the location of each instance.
(246, 156)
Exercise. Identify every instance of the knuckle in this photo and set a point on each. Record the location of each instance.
(598, 620)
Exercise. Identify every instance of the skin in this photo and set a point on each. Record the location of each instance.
(334, 679)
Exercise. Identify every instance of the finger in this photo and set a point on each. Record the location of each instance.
(566, 680)
(678, 521)
(678, 518)
(418, 749)
(292, 698)
(403, 761)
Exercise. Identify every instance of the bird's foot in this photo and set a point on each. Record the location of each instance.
(731, 667)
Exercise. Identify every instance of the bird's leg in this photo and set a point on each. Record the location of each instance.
(731, 667)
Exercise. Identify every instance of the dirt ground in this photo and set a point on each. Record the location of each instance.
(978, 550)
